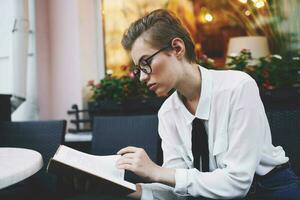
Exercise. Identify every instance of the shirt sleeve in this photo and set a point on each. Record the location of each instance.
(246, 124)
(159, 191)
(171, 160)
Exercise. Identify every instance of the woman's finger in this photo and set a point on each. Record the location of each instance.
(128, 149)
(127, 167)
(128, 155)
(125, 161)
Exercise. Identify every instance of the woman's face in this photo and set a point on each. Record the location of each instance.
(164, 67)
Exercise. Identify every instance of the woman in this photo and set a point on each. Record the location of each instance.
(216, 139)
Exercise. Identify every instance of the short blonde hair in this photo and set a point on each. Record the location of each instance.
(162, 26)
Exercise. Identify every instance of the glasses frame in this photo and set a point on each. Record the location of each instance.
(137, 68)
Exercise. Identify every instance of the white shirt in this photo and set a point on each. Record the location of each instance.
(239, 139)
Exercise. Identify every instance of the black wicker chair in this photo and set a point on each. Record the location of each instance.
(285, 129)
(111, 133)
(283, 112)
(42, 136)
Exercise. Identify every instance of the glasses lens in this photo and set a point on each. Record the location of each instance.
(143, 63)
(145, 67)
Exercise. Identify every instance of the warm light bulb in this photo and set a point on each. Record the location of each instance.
(197, 46)
(205, 15)
(109, 71)
(208, 17)
(259, 4)
(243, 1)
(247, 13)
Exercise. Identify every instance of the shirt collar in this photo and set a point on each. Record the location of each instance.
(203, 107)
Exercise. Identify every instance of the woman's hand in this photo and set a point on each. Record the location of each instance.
(136, 160)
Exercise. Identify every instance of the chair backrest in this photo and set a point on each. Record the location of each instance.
(111, 133)
(42, 136)
(285, 129)
(5, 113)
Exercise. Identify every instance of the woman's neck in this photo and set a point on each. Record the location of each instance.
(189, 87)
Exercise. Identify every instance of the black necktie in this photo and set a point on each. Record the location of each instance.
(200, 145)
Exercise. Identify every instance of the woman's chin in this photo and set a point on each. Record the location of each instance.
(161, 93)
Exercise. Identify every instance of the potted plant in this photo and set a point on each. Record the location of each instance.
(278, 77)
(124, 95)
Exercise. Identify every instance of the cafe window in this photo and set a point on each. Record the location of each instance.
(211, 24)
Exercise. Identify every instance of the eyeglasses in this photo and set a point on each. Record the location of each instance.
(144, 65)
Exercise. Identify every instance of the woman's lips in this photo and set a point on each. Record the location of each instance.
(152, 86)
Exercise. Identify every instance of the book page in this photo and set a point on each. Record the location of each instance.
(104, 166)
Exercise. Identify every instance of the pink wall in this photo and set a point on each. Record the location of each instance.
(64, 51)
(42, 58)
(58, 57)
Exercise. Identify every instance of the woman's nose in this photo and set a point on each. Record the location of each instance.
(144, 77)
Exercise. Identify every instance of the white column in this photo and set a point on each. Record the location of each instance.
(101, 45)
(26, 56)
(19, 48)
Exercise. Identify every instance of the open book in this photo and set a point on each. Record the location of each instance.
(101, 170)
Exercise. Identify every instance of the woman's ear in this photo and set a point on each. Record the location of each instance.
(179, 47)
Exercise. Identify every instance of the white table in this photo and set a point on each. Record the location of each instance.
(79, 137)
(17, 164)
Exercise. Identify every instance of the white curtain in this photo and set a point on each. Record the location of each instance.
(24, 85)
